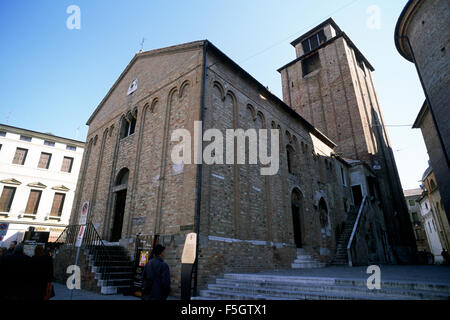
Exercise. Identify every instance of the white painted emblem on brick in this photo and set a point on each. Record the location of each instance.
(133, 86)
(256, 189)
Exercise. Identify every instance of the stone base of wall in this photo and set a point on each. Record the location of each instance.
(219, 255)
(65, 257)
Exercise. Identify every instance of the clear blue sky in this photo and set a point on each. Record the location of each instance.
(52, 78)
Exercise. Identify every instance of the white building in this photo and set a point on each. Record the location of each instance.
(38, 177)
(430, 228)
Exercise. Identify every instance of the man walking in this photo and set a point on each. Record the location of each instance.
(156, 277)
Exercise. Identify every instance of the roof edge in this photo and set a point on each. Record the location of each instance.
(272, 96)
(134, 59)
(420, 116)
(42, 135)
(313, 30)
(337, 36)
(402, 25)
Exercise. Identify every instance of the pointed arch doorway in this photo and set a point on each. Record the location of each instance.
(297, 217)
(120, 197)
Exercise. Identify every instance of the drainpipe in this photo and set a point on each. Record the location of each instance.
(427, 99)
(200, 168)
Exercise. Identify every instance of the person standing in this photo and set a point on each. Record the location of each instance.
(10, 250)
(156, 277)
(16, 275)
(42, 273)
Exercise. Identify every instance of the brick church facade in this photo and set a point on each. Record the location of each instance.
(329, 166)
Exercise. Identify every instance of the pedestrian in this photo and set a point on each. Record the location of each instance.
(42, 274)
(10, 250)
(16, 275)
(156, 277)
(446, 257)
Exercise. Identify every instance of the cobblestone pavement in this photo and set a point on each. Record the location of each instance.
(432, 274)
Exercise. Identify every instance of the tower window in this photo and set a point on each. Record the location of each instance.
(314, 41)
(310, 64)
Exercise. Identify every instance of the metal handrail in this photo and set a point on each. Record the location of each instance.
(355, 229)
(92, 242)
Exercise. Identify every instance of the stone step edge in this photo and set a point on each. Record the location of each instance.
(291, 279)
(269, 297)
(398, 292)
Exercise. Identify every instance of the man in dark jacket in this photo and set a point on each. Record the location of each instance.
(156, 277)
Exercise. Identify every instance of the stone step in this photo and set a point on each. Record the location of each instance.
(115, 282)
(113, 257)
(113, 275)
(257, 286)
(407, 285)
(110, 263)
(112, 289)
(307, 265)
(231, 295)
(213, 295)
(299, 292)
(112, 269)
(421, 291)
(304, 259)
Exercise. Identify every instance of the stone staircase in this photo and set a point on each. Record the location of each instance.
(306, 261)
(277, 287)
(114, 274)
(341, 256)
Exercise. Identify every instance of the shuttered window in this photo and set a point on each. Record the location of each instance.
(44, 161)
(67, 164)
(58, 204)
(20, 156)
(33, 202)
(7, 198)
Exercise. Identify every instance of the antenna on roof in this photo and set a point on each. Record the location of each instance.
(142, 45)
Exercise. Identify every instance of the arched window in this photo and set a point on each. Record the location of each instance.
(128, 125)
(290, 152)
(323, 214)
(122, 177)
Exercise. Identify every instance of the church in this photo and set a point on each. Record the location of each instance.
(335, 198)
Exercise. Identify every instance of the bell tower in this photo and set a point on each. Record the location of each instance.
(330, 84)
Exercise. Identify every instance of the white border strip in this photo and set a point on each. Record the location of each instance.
(254, 242)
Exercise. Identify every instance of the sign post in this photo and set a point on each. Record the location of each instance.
(82, 222)
(187, 262)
